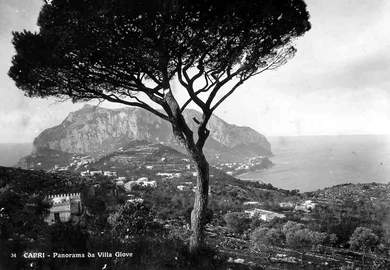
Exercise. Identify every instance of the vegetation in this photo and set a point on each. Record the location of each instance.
(134, 219)
(237, 221)
(363, 239)
(155, 231)
(264, 237)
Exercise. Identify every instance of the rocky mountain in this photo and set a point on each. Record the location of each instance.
(98, 131)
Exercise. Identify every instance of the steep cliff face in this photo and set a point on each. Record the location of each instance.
(98, 131)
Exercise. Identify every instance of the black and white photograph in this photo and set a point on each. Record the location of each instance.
(194, 134)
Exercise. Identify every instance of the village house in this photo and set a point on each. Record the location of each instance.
(135, 200)
(120, 181)
(143, 182)
(92, 173)
(183, 188)
(169, 175)
(263, 214)
(252, 203)
(306, 206)
(84, 173)
(109, 173)
(287, 205)
(65, 207)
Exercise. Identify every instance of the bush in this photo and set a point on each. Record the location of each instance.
(237, 222)
(299, 239)
(134, 220)
(263, 237)
(292, 226)
(363, 239)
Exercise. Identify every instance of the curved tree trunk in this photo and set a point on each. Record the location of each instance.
(200, 204)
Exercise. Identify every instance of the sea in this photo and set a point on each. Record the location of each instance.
(309, 163)
(11, 153)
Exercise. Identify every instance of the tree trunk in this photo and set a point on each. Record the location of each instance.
(184, 136)
(198, 214)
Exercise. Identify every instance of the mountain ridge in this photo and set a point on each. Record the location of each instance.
(97, 131)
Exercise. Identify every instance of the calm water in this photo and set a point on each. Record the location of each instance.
(311, 162)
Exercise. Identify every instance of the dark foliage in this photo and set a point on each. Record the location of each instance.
(237, 221)
(103, 49)
(134, 220)
(343, 218)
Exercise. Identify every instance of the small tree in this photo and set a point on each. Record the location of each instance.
(363, 239)
(130, 51)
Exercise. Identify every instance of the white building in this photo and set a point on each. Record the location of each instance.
(169, 175)
(263, 214)
(119, 182)
(143, 182)
(287, 205)
(84, 173)
(183, 188)
(252, 203)
(92, 173)
(108, 173)
(306, 206)
(64, 206)
(135, 200)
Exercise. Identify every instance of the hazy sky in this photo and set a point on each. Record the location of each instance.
(338, 83)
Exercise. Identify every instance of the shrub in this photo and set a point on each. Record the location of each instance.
(237, 222)
(299, 239)
(134, 220)
(298, 236)
(292, 226)
(363, 239)
(263, 237)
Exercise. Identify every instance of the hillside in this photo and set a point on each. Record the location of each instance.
(37, 182)
(48, 159)
(170, 199)
(98, 131)
(370, 192)
(135, 159)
